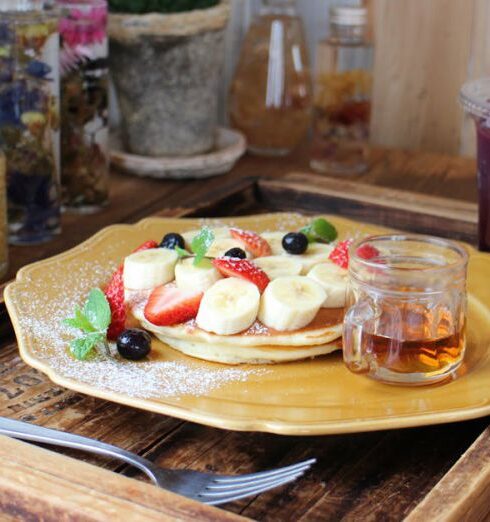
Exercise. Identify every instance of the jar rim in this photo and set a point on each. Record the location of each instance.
(474, 96)
(458, 263)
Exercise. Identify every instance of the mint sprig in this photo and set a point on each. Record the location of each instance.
(93, 320)
(201, 243)
(320, 230)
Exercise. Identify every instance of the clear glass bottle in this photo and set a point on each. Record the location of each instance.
(29, 118)
(3, 217)
(270, 95)
(84, 119)
(342, 95)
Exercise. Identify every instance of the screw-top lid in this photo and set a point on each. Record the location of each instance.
(348, 15)
(475, 97)
(21, 5)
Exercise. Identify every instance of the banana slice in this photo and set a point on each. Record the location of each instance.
(279, 266)
(315, 253)
(229, 306)
(149, 268)
(333, 279)
(275, 241)
(290, 303)
(190, 277)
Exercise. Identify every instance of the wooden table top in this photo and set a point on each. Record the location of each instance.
(374, 476)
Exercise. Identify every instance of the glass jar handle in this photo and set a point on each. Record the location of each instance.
(354, 325)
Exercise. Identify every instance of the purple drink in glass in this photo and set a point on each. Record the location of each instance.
(483, 161)
(475, 98)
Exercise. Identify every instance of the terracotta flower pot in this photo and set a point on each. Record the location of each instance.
(166, 70)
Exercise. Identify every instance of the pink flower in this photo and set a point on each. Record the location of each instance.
(84, 27)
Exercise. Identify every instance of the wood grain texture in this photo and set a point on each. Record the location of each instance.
(466, 485)
(407, 210)
(422, 56)
(31, 475)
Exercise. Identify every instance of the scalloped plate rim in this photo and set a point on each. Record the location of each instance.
(321, 427)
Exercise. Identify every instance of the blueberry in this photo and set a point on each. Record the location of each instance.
(134, 344)
(172, 240)
(237, 253)
(295, 243)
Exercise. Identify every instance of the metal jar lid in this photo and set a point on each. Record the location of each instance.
(474, 96)
(348, 15)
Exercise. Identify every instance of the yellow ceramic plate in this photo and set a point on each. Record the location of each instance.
(304, 398)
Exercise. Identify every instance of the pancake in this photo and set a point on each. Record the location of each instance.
(257, 345)
(227, 354)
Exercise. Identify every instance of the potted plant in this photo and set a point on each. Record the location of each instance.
(166, 58)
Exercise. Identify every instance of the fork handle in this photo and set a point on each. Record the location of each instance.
(32, 432)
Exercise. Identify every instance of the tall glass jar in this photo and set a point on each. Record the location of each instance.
(342, 95)
(270, 96)
(3, 217)
(84, 85)
(29, 121)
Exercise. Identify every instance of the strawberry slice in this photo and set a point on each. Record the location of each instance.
(168, 305)
(367, 252)
(254, 243)
(234, 267)
(340, 254)
(114, 292)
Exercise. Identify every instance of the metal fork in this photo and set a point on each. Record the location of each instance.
(208, 488)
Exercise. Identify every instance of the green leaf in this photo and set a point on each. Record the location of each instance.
(201, 243)
(320, 230)
(79, 321)
(97, 310)
(182, 252)
(82, 346)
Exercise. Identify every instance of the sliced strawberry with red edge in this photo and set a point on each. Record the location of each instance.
(242, 268)
(254, 243)
(114, 292)
(168, 305)
(340, 254)
(367, 252)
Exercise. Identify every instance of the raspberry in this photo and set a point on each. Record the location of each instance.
(114, 293)
(340, 254)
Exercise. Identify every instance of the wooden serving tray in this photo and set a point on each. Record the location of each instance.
(432, 473)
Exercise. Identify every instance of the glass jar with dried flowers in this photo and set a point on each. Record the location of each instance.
(29, 120)
(84, 84)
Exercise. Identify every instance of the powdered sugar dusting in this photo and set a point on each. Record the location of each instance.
(41, 317)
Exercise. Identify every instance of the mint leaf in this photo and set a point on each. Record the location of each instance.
(81, 347)
(97, 310)
(79, 321)
(320, 230)
(201, 243)
(182, 252)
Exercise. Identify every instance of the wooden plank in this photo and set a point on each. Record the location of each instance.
(464, 492)
(30, 475)
(410, 211)
(421, 61)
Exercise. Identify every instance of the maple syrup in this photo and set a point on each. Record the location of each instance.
(406, 308)
(414, 356)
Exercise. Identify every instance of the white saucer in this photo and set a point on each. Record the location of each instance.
(230, 145)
